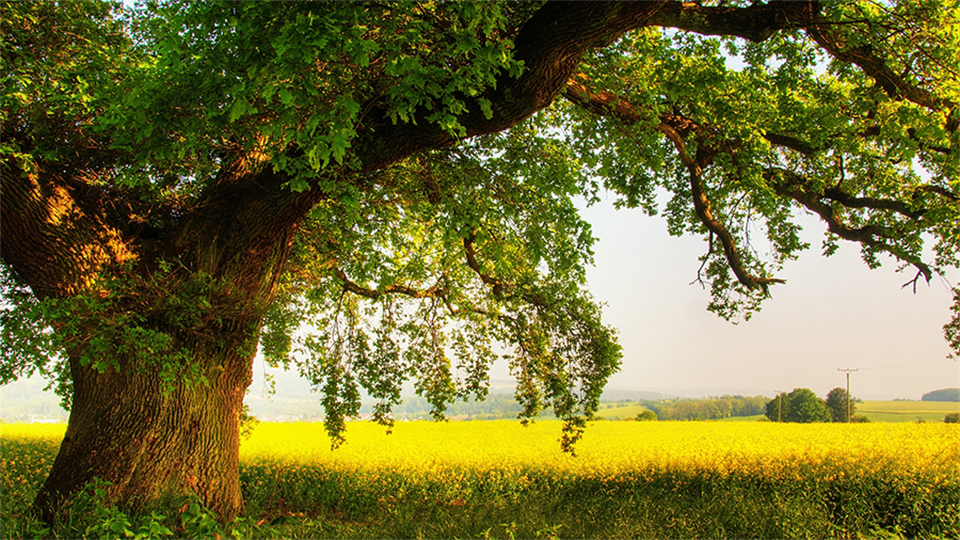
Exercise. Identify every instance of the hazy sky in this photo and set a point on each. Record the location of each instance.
(832, 313)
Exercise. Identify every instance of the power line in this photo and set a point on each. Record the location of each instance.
(910, 364)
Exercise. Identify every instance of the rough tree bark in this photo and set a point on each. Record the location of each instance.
(149, 442)
(146, 436)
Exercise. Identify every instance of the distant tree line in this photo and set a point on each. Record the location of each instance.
(494, 406)
(713, 408)
(944, 394)
(803, 406)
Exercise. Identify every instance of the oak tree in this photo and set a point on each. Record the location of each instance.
(379, 192)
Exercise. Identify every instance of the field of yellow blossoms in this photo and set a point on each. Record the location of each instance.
(628, 479)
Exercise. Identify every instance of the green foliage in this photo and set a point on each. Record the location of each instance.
(509, 197)
(90, 514)
(707, 409)
(61, 63)
(142, 322)
(29, 344)
(787, 85)
(837, 402)
(805, 407)
(647, 416)
(944, 394)
(270, 76)
(801, 405)
(952, 418)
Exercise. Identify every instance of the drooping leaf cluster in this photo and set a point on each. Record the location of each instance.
(440, 267)
(782, 127)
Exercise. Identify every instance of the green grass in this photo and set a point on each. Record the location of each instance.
(622, 412)
(754, 418)
(906, 411)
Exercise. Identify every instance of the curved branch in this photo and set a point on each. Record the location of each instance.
(498, 285)
(792, 143)
(943, 192)
(875, 67)
(754, 23)
(674, 127)
(702, 207)
(790, 184)
(844, 198)
(550, 44)
(433, 292)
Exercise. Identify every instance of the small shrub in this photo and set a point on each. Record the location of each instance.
(952, 418)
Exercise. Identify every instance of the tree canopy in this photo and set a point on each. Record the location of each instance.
(944, 394)
(839, 404)
(377, 192)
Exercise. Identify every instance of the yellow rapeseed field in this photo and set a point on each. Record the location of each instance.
(616, 448)
(607, 449)
(628, 479)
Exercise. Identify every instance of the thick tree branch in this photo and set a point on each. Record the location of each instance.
(702, 207)
(943, 192)
(497, 285)
(677, 129)
(433, 292)
(550, 45)
(876, 67)
(41, 220)
(755, 23)
(837, 194)
(674, 127)
(792, 143)
(436, 291)
(790, 184)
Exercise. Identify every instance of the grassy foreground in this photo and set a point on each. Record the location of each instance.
(499, 479)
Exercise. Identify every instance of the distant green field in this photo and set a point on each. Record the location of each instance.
(875, 411)
(906, 411)
(756, 418)
(622, 412)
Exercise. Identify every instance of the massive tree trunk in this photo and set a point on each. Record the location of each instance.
(150, 439)
(152, 418)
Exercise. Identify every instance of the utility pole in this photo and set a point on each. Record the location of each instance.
(848, 389)
(779, 406)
